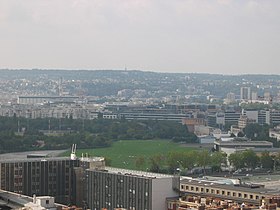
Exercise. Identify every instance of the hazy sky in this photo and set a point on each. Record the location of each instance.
(214, 36)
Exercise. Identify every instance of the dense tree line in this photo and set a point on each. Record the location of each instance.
(18, 134)
(249, 159)
(186, 161)
(183, 161)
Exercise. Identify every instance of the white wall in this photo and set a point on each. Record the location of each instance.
(162, 188)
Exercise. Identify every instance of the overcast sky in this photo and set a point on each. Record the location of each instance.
(211, 36)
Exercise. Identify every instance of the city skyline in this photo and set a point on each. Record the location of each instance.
(217, 36)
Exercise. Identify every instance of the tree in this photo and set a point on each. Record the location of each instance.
(218, 158)
(252, 130)
(189, 159)
(156, 163)
(250, 158)
(236, 160)
(266, 160)
(203, 159)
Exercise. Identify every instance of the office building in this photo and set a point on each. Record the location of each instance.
(40, 176)
(264, 117)
(232, 117)
(275, 117)
(118, 188)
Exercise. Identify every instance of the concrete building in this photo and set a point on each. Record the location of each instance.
(251, 114)
(275, 117)
(45, 99)
(127, 189)
(254, 96)
(241, 143)
(40, 176)
(264, 117)
(216, 120)
(232, 117)
(10, 200)
(244, 121)
(200, 130)
(245, 93)
(275, 133)
(192, 122)
(249, 193)
(206, 139)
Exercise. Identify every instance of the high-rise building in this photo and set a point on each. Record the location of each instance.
(245, 93)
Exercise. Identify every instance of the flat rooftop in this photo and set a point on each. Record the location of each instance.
(10, 200)
(128, 172)
(23, 155)
(243, 188)
(234, 142)
(33, 159)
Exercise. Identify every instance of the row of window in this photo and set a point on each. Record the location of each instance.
(220, 192)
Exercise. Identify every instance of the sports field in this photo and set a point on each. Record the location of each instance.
(124, 153)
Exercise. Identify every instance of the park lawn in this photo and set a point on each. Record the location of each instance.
(124, 153)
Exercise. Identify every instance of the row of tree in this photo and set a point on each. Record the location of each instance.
(186, 161)
(249, 159)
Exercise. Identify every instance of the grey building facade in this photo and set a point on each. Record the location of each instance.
(49, 176)
(129, 189)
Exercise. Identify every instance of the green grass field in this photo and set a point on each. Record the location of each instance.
(124, 153)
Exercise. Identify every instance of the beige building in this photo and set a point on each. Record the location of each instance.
(239, 193)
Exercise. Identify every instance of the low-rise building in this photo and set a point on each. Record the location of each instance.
(275, 133)
(249, 193)
(237, 142)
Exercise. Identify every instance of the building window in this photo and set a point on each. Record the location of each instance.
(245, 196)
(217, 191)
(187, 187)
(239, 195)
(223, 192)
(228, 193)
(47, 202)
(196, 189)
(251, 196)
(233, 194)
(207, 190)
(202, 189)
(191, 188)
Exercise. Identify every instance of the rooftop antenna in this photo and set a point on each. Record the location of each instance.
(73, 152)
